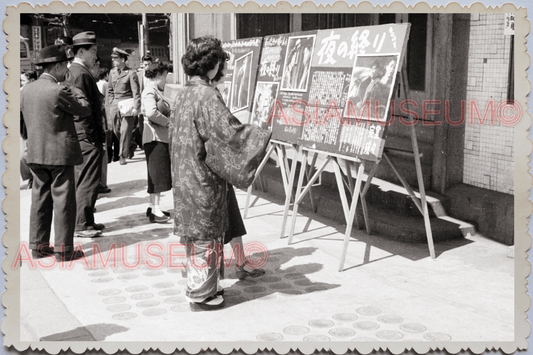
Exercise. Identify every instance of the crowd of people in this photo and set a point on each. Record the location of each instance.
(75, 112)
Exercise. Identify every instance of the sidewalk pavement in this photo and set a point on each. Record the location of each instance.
(389, 291)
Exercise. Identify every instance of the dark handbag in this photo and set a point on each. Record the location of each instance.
(237, 160)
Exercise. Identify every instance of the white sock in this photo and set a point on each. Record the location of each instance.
(151, 205)
(156, 210)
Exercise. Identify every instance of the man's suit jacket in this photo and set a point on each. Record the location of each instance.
(90, 127)
(48, 111)
(122, 86)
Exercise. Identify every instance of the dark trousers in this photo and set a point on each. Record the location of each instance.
(113, 147)
(53, 193)
(123, 130)
(87, 182)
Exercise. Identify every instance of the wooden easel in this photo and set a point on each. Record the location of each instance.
(349, 209)
(288, 174)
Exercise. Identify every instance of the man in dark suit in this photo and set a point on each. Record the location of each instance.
(123, 85)
(53, 150)
(91, 134)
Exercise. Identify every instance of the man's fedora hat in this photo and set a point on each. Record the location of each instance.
(84, 38)
(117, 52)
(51, 54)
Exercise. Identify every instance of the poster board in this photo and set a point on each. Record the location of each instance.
(335, 87)
(238, 85)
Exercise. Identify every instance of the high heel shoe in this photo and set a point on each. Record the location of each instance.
(242, 273)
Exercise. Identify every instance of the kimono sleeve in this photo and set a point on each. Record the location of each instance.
(233, 150)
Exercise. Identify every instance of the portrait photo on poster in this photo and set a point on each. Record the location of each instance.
(263, 103)
(298, 63)
(371, 86)
(241, 83)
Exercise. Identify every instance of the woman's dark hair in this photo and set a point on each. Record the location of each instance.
(220, 72)
(103, 73)
(155, 69)
(202, 55)
(30, 74)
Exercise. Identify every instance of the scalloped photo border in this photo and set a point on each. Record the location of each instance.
(10, 325)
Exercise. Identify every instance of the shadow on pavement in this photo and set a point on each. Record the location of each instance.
(94, 332)
(278, 281)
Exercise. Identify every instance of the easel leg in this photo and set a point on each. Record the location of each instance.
(422, 190)
(288, 195)
(308, 171)
(342, 190)
(259, 168)
(369, 178)
(298, 194)
(353, 208)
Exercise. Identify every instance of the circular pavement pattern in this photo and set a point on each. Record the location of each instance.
(303, 282)
(366, 325)
(102, 279)
(142, 296)
(435, 336)
(124, 316)
(146, 304)
(254, 289)
(153, 273)
(163, 285)
(109, 292)
(345, 317)
(321, 323)
(265, 297)
(174, 300)
(315, 288)
(290, 292)
(294, 276)
(413, 328)
(154, 312)
(128, 277)
(136, 288)
(296, 330)
(270, 337)
(389, 319)
(363, 339)
(171, 292)
(122, 271)
(184, 307)
(182, 282)
(316, 338)
(98, 273)
(270, 279)
(280, 286)
(245, 283)
(389, 335)
(118, 308)
(368, 311)
(231, 293)
(236, 300)
(175, 271)
(115, 299)
(342, 332)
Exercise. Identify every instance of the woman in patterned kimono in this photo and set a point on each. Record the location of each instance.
(205, 136)
(236, 228)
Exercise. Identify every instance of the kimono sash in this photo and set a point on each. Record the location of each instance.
(237, 160)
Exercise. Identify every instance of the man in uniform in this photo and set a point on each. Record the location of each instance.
(53, 150)
(91, 134)
(123, 85)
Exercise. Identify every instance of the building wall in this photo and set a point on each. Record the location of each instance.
(488, 152)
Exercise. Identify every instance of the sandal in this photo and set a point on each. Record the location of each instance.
(209, 304)
(242, 273)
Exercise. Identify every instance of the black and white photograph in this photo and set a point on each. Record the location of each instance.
(371, 86)
(240, 86)
(145, 214)
(265, 94)
(298, 63)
